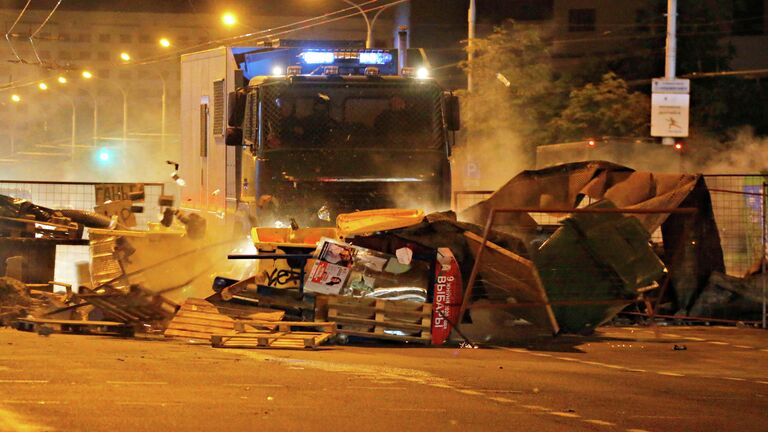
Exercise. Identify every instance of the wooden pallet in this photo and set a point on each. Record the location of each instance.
(75, 326)
(198, 319)
(376, 318)
(132, 307)
(275, 335)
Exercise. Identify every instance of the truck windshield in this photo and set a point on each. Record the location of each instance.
(352, 115)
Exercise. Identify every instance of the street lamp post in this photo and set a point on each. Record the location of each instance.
(73, 135)
(89, 75)
(369, 22)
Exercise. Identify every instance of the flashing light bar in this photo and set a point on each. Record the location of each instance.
(362, 57)
(375, 58)
(317, 57)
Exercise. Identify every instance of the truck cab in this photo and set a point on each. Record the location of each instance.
(319, 132)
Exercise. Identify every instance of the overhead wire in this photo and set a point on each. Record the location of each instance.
(40, 27)
(10, 31)
(270, 33)
(254, 35)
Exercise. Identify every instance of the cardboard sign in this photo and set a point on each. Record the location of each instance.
(447, 296)
(115, 191)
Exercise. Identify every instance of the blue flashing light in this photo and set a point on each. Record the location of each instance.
(377, 58)
(104, 156)
(317, 57)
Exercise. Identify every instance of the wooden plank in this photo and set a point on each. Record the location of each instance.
(200, 321)
(55, 321)
(188, 334)
(75, 326)
(380, 325)
(299, 340)
(197, 328)
(211, 316)
(517, 276)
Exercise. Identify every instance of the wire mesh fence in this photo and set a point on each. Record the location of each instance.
(737, 201)
(79, 196)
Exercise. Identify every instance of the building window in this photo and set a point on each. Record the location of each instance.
(103, 56)
(84, 37)
(581, 20)
(103, 73)
(64, 37)
(145, 39)
(125, 38)
(748, 17)
(65, 55)
(126, 75)
(84, 55)
(105, 38)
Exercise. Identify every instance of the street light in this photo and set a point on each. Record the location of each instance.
(124, 56)
(42, 86)
(228, 19)
(61, 80)
(164, 42)
(87, 74)
(15, 98)
(369, 22)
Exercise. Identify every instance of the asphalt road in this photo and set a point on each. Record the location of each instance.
(622, 379)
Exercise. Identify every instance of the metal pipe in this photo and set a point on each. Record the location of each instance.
(475, 269)
(765, 236)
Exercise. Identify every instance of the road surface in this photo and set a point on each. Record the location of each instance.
(625, 379)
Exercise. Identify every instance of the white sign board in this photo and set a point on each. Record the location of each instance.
(662, 85)
(669, 114)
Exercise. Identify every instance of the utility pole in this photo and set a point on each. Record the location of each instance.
(471, 19)
(671, 58)
(670, 64)
(670, 98)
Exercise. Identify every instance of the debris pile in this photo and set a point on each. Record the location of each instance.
(399, 275)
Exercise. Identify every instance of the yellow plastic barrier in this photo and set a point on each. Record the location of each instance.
(368, 221)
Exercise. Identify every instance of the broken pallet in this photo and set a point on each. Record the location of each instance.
(275, 335)
(404, 321)
(198, 319)
(74, 326)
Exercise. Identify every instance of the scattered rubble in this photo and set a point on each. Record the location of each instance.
(397, 275)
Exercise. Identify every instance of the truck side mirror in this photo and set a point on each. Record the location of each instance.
(453, 112)
(236, 107)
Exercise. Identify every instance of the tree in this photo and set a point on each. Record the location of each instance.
(514, 93)
(604, 109)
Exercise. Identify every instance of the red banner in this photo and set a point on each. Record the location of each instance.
(447, 296)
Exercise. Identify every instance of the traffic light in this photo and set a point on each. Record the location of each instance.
(679, 146)
(104, 157)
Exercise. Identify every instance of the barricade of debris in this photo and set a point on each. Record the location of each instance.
(402, 276)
